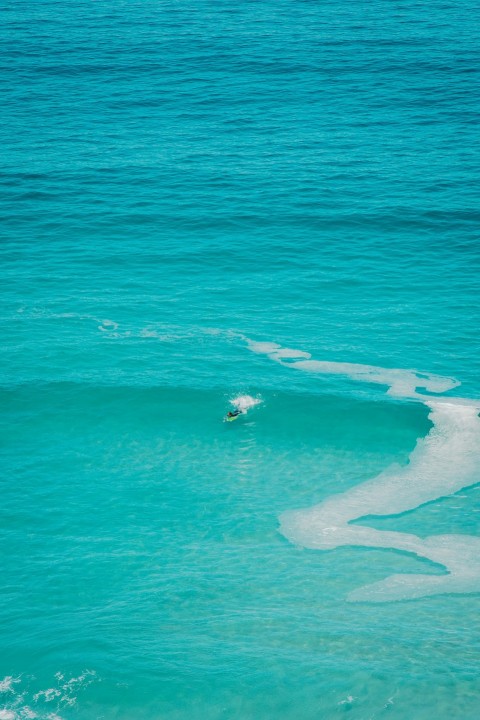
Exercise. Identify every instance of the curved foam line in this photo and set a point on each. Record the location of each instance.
(402, 383)
(442, 463)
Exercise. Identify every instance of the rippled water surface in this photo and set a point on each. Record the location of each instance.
(205, 205)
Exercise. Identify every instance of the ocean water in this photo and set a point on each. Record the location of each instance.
(271, 205)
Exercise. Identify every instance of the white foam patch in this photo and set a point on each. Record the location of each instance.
(289, 353)
(442, 463)
(47, 695)
(262, 347)
(245, 402)
(401, 383)
(108, 326)
(6, 685)
(46, 703)
(27, 713)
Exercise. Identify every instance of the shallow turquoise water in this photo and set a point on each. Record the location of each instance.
(180, 183)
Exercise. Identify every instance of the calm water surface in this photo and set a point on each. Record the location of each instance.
(210, 201)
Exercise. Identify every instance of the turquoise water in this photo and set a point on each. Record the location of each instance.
(208, 205)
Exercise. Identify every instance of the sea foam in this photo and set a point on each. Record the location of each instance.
(442, 463)
(245, 402)
(23, 704)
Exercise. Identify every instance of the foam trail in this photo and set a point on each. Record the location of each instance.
(402, 383)
(442, 463)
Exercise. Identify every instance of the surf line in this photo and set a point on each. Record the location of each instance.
(446, 460)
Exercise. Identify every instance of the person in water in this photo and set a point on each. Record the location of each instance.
(233, 414)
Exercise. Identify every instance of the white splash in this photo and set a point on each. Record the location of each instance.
(245, 402)
(442, 463)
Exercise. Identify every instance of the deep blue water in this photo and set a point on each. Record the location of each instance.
(210, 201)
